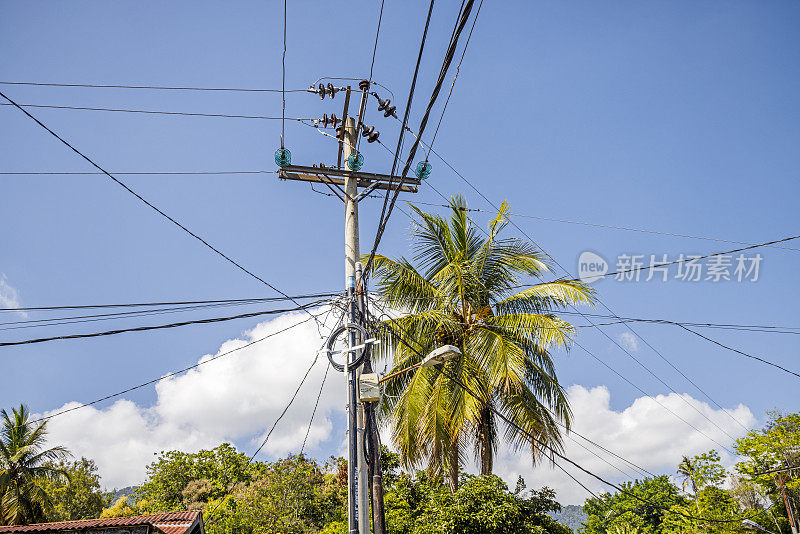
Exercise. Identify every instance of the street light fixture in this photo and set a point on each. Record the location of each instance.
(445, 353)
(752, 525)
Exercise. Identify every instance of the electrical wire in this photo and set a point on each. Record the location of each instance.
(458, 70)
(153, 112)
(272, 429)
(158, 87)
(149, 173)
(400, 139)
(157, 327)
(146, 202)
(740, 352)
(412, 151)
(171, 374)
(553, 451)
(173, 303)
(612, 227)
(316, 404)
(283, 78)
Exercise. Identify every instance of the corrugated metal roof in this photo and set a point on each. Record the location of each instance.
(169, 523)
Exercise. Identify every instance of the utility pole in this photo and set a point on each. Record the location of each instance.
(343, 181)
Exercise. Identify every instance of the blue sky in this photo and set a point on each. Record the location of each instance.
(679, 117)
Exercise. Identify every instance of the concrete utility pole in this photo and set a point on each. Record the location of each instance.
(364, 477)
(358, 498)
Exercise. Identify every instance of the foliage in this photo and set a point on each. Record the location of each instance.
(178, 480)
(120, 508)
(702, 470)
(293, 496)
(24, 465)
(76, 496)
(775, 446)
(624, 510)
(463, 290)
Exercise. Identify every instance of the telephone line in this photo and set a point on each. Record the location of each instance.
(146, 202)
(157, 87)
(155, 112)
(158, 327)
(554, 452)
(171, 374)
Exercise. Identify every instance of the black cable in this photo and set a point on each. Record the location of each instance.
(150, 173)
(400, 138)
(434, 95)
(152, 112)
(465, 180)
(157, 210)
(740, 352)
(158, 327)
(375, 48)
(159, 87)
(271, 430)
(316, 404)
(553, 451)
(283, 78)
(608, 226)
(174, 303)
(458, 70)
(169, 375)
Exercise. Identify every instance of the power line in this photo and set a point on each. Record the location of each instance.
(283, 78)
(148, 203)
(412, 151)
(275, 424)
(153, 112)
(316, 404)
(171, 374)
(740, 352)
(458, 70)
(612, 227)
(174, 303)
(147, 173)
(158, 327)
(552, 450)
(158, 87)
(404, 122)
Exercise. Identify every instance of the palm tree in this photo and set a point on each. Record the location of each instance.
(687, 471)
(23, 463)
(463, 290)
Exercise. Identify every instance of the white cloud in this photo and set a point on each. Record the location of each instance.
(9, 297)
(629, 341)
(238, 397)
(644, 433)
(234, 398)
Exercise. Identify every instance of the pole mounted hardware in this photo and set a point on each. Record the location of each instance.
(330, 175)
(325, 121)
(355, 354)
(370, 133)
(386, 106)
(324, 90)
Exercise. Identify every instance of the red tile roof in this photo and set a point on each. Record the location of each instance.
(167, 523)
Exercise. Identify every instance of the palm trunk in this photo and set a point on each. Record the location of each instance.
(453, 468)
(486, 453)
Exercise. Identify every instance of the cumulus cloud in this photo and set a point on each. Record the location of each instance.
(9, 297)
(644, 433)
(235, 398)
(238, 397)
(629, 341)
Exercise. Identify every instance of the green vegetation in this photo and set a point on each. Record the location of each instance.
(463, 289)
(24, 466)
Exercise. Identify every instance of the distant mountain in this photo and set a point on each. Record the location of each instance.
(570, 515)
(124, 492)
